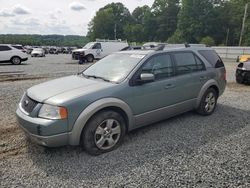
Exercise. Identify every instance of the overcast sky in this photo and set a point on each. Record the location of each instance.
(67, 17)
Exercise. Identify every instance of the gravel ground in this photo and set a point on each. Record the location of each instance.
(185, 151)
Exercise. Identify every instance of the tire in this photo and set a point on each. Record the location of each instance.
(103, 133)
(208, 102)
(90, 58)
(239, 79)
(16, 60)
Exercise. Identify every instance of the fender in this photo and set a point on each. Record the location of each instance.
(204, 88)
(87, 113)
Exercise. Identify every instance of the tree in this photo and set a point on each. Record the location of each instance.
(165, 12)
(109, 22)
(200, 18)
(209, 41)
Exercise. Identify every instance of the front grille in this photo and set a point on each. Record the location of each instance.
(28, 104)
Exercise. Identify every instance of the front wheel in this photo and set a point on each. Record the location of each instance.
(90, 58)
(103, 133)
(208, 102)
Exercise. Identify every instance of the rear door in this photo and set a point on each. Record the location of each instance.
(191, 73)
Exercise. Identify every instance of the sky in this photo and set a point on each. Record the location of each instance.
(65, 17)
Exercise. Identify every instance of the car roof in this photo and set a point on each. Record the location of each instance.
(141, 52)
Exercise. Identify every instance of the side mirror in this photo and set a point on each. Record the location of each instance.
(146, 77)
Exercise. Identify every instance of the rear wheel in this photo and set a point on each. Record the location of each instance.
(16, 60)
(208, 102)
(103, 133)
(90, 58)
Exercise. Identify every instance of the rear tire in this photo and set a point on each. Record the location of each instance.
(103, 133)
(208, 102)
(16, 60)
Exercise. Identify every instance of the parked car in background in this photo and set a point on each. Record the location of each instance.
(8, 53)
(243, 72)
(38, 52)
(243, 58)
(99, 49)
(123, 91)
(53, 51)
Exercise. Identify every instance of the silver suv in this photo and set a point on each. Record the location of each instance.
(119, 93)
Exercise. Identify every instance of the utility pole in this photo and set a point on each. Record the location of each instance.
(243, 24)
(227, 36)
(115, 31)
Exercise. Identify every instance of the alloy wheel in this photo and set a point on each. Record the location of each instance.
(107, 134)
(210, 101)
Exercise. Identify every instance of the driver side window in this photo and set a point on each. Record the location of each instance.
(160, 65)
(97, 46)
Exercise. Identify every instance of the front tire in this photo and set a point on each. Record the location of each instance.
(103, 133)
(90, 58)
(208, 102)
(16, 60)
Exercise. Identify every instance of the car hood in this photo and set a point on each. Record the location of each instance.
(63, 89)
(80, 50)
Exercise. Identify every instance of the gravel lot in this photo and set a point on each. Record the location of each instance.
(185, 151)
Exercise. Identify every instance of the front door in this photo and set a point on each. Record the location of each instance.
(151, 102)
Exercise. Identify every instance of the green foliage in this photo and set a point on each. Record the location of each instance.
(109, 22)
(174, 21)
(209, 41)
(44, 40)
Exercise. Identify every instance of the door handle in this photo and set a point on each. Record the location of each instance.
(169, 86)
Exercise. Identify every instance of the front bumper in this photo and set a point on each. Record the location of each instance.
(34, 128)
(245, 74)
(24, 59)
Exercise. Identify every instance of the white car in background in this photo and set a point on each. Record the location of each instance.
(8, 53)
(99, 49)
(38, 52)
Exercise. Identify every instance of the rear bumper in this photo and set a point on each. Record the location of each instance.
(24, 59)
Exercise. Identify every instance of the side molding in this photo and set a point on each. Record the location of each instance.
(74, 137)
(204, 88)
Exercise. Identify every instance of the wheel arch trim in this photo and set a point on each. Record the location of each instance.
(87, 113)
(208, 84)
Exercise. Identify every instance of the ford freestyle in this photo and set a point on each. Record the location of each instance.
(123, 91)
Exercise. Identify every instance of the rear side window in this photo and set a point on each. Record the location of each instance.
(5, 48)
(18, 47)
(212, 57)
(187, 62)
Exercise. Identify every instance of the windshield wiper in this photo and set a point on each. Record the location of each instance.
(96, 77)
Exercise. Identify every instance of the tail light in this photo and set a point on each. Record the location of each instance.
(225, 75)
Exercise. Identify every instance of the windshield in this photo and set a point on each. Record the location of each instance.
(114, 68)
(89, 45)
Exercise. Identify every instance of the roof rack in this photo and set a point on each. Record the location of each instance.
(107, 40)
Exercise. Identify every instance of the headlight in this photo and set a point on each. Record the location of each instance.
(53, 112)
